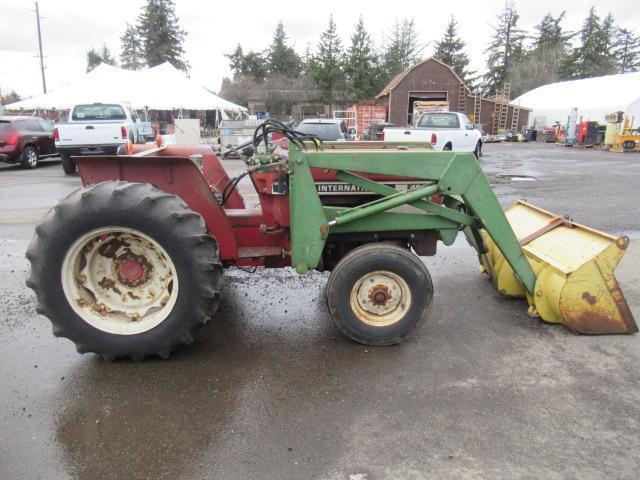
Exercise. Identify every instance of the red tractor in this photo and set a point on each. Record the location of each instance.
(131, 265)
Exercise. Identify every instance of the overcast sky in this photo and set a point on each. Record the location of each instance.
(71, 27)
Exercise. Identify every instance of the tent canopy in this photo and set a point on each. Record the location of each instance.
(158, 88)
(594, 98)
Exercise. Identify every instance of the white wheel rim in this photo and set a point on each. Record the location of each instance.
(119, 280)
(380, 298)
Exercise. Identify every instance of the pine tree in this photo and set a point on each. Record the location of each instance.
(450, 50)
(282, 58)
(550, 35)
(628, 51)
(236, 62)
(307, 59)
(326, 65)
(255, 66)
(506, 49)
(541, 62)
(131, 49)
(361, 64)
(608, 44)
(593, 57)
(401, 49)
(161, 34)
(250, 65)
(93, 59)
(96, 57)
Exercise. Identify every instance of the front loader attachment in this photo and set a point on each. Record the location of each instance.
(574, 265)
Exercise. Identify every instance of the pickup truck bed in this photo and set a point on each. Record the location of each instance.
(444, 130)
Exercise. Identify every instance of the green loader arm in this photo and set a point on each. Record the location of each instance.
(454, 175)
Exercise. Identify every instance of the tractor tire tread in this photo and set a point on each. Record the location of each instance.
(203, 284)
(334, 290)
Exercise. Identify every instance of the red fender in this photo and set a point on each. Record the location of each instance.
(176, 175)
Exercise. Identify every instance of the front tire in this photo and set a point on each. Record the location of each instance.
(30, 157)
(124, 270)
(68, 165)
(378, 294)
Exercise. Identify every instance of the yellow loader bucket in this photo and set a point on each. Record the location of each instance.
(574, 268)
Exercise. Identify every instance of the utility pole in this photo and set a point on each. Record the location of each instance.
(44, 83)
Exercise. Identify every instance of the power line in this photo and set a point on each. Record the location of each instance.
(44, 83)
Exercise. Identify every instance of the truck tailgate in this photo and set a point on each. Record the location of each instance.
(407, 135)
(97, 133)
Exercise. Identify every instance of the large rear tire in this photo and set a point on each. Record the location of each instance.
(125, 270)
(378, 294)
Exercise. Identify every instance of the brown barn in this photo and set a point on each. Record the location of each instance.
(432, 80)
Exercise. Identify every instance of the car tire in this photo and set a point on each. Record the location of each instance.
(478, 150)
(79, 270)
(68, 165)
(401, 279)
(29, 157)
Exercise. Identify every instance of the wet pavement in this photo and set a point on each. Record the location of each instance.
(272, 390)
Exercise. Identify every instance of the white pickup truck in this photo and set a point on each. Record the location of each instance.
(95, 129)
(444, 130)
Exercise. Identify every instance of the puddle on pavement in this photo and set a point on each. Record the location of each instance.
(507, 178)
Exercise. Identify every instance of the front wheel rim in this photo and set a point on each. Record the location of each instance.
(380, 298)
(119, 280)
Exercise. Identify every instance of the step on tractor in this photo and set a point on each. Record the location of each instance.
(131, 265)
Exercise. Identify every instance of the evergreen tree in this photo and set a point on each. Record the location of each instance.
(361, 64)
(609, 44)
(540, 64)
(401, 49)
(450, 50)
(593, 57)
(161, 34)
(326, 65)
(93, 59)
(132, 49)
(550, 35)
(255, 66)
(307, 59)
(628, 51)
(96, 57)
(250, 65)
(236, 62)
(282, 58)
(506, 49)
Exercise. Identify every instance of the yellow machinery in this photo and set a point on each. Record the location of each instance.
(574, 268)
(628, 140)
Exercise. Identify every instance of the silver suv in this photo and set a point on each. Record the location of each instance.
(327, 129)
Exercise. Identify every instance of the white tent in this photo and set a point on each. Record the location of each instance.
(158, 88)
(594, 98)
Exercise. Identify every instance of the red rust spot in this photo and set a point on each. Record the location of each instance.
(622, 243)
(590, 299)
(110, 248)
(109, 284)
(379, 294)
